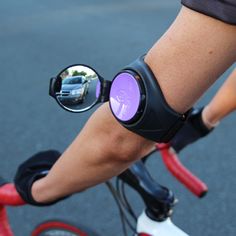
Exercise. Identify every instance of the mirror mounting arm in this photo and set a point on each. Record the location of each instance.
(106, 86)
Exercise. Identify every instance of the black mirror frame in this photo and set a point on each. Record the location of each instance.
(100, 99)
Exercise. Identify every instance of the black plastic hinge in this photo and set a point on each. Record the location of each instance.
(105, 90)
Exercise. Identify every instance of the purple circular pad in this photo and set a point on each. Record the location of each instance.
(124, 96)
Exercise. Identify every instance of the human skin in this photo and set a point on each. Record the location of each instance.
(222, 104)
(188, 58)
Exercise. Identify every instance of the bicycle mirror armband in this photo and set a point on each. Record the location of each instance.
(137, 102)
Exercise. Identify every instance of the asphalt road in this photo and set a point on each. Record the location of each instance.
(40, 38)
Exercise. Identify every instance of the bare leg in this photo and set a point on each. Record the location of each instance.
(186, 61)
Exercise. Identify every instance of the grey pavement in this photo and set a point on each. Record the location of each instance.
(37, 40)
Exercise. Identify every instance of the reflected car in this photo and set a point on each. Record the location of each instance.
(73, 90)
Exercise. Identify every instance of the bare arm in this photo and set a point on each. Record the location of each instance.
(102, 150)
(223, 103)
(186, 61)
(190, 56)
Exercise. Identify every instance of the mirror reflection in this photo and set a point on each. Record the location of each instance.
(79, 89)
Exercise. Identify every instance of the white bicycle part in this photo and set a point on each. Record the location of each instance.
(154, 228)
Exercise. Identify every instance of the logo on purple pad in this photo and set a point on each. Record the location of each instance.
(125, 96)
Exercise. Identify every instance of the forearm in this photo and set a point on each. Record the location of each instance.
(102, 150)
(223, 103)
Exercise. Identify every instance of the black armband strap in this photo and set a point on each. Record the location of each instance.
(137, 102)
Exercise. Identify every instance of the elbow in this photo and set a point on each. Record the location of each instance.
(127, 147)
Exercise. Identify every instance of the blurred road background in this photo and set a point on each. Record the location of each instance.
(37, 40)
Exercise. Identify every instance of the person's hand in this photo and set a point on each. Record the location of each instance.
(34, 168)
(193, 129)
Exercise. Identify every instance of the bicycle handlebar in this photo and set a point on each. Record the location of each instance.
(8, 194)
(181, 173)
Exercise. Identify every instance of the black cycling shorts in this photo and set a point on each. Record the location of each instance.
(224, 10)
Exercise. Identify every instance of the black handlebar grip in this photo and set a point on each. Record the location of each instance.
(2, 181)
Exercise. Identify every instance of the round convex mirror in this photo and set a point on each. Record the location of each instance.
(79, 88)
